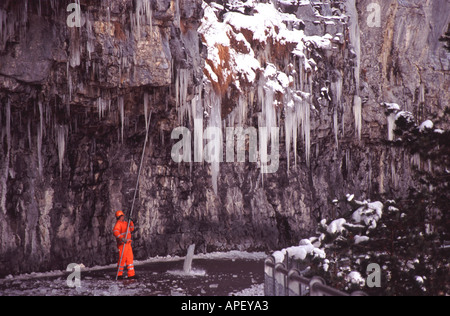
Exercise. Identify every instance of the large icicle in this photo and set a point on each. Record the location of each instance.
(357, 111)
(293, 121)
(61, 135)
(102, 106)
(146, 99)
(181, 91)
(4, 176)
(306, 129)
(336, 88)
(298, 123)
(177, 13)
(8, 126)
(290, 127)
(355, 40)
(75, 44)
(120, 103)
(239, 115)
(214, 148)
(391, 126)
(39, 138)
(90, 44)
(4, 29)
(266, 96)
(143, 17)
(336, 126)
(197, 111)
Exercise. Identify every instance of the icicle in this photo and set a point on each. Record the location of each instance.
(263, 145)
(336, 126)
(391, 126)
(293, 120)
(357, 111)
(120, 102)
(102, 106)
(177, 13)
(422, 93)
(421, 100)
(61, 132)
(336, 88)
(267, 121)
(181, 91)
(29, 134)
(243, 107)
(4, 175)
(4, 32)
(355, 38)
(146, 109)
(39, 151)
(39, 138)
(90, 45)
(144, 16)
(288, 127)
(177, 94)
(69, 83)
(39, 9)
(197, 110)
(395, 176)
(298, 121)
(214, 148)
(306, 125)
(108, 15)
(416, 161)
(268, 109)
(75, 46)
(8, 126)
(148, 14)
(99, 108)
(348, 161)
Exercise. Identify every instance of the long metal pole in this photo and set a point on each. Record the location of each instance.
(135, 193)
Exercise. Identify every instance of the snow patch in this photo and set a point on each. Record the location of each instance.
(361, 239)
(427, 125)
(337, 226)
(355, 278)
(369, 214)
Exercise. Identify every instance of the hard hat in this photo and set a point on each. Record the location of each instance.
(119, 213)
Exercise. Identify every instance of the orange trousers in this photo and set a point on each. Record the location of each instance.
(127, 260)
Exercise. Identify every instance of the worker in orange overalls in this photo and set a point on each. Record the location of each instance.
(120, 230)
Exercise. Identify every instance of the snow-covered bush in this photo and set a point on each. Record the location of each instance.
(373, 232)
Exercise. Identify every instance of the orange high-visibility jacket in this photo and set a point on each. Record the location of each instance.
(120, 230)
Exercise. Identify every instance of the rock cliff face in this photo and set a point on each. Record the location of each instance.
(75, 100)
